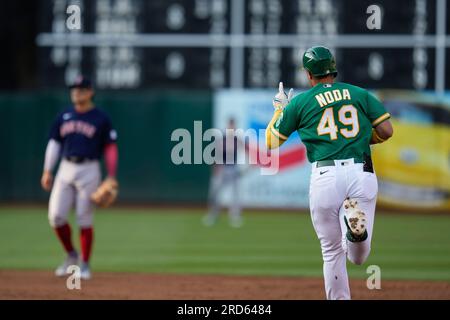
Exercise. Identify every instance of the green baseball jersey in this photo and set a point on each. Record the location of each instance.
(334, 121)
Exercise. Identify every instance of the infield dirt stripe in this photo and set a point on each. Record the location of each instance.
(43, 285)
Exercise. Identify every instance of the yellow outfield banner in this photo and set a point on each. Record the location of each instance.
(413, 167)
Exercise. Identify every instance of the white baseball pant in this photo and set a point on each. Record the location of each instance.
(226, 175)
(74, 183)
(329, 187)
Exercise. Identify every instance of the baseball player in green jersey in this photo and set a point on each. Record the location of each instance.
(337, 122)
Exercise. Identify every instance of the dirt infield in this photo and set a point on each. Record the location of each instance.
(43, 285)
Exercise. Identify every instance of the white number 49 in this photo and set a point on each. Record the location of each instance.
(347, 115)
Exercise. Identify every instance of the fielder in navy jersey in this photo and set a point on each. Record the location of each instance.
(80, 135)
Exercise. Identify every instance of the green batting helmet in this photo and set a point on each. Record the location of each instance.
(319, 61)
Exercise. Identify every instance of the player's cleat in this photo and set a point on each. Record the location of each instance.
(236, 222)
(62, 270)
(209, 221)
(85, 272)
(355, 220)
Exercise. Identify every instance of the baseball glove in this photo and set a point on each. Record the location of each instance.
(106, 193)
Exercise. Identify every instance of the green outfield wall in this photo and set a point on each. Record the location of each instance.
(144, 121)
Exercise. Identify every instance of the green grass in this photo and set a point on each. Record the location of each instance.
(404, 246)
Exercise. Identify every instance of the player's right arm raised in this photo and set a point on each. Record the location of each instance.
(274, 138)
